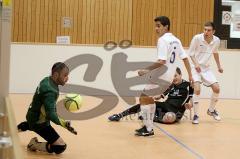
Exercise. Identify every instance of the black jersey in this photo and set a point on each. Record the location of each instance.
(179, 94)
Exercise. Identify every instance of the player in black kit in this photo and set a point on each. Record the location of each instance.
(173, 108)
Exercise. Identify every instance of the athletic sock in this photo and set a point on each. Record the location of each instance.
(133, 110)
(196, 104)
(213, 101)
(148, 112)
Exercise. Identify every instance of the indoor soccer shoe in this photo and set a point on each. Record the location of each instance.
(140, 117)
(156, 119)
(141, 129)
(23, 126)
(31, 144)
(214, 114)
(114, 117)
(144, 132)
(195, 119)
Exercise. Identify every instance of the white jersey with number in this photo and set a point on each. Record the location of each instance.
(169, 48)
(203, 51)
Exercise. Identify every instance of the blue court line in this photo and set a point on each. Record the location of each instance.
(180, 143)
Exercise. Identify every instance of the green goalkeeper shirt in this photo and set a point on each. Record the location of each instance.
(42, 110)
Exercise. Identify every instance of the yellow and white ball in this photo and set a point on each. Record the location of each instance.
(73, 102)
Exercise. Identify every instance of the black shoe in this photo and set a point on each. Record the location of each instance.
(114, 117)
(23, 126)
(156, 119)
(144, 132)
(140, 117)
(141, 129)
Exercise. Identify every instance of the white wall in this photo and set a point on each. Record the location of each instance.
(30, 63)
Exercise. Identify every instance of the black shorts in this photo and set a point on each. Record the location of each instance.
(48, 133)
(163, 107)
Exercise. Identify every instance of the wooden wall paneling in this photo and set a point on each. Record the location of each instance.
(41, 21)
(29, 21)
(71, 15)
(142, 21)
(16, 21)
(154, 15)
(149, 23)
(98, 21)
(113, 21)
(67, 14)
(50, 22)
(84, 21)
(130, 18)
(207, 15)
(53, 33)
(74, 21)
(45, 21)
(117, 21)
(108, 20)
(199, 17)
(32, 30)
(20, 21)
(121, 22)
(58, 18)
(79, 21)
(24, 21)
(38, 12)
(105, 24)
(91, 22)
(172, 16)
(211, 9)
(88, 22)
(134, 22)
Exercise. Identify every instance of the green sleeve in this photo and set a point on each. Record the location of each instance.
(50, 108)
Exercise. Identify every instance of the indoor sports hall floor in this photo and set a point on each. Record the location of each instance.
(99, 139)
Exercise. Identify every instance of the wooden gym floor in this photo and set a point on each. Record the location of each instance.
(98, 138)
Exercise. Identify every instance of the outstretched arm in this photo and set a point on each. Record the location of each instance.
(155, 65)
(162, 50)
(50, 109)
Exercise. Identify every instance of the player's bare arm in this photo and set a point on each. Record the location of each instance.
(157, 64)
(187, 65)
(216, 57)
(196, 64)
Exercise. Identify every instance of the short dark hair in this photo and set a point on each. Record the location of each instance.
(164, 20)
(211, 24)
(58, 66)
(178, 70)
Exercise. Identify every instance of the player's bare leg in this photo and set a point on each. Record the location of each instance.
(213, 101)
(196, 97)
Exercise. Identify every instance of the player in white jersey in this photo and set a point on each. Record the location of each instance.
(168, 48)
(201, 49)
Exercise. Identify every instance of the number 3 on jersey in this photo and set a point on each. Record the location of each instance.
(172, 58)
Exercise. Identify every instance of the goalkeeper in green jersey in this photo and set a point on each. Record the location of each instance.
(42, 110)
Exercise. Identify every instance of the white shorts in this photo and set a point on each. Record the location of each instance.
(157, 85)
(205, 76)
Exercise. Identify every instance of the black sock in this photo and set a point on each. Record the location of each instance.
(133, 110)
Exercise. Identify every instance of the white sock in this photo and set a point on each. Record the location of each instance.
(196, 104)
(148, 112)
(213, 101)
